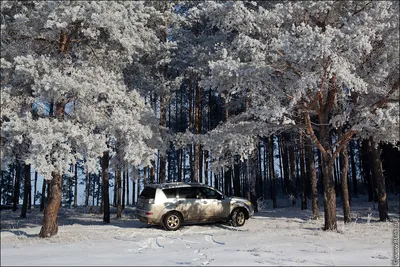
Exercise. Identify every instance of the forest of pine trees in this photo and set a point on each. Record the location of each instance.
(262, 100)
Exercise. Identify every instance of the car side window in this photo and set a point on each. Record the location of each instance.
(210, 194)
(188, 192)
(170, 193)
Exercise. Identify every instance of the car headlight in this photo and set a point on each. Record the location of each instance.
(248, 202)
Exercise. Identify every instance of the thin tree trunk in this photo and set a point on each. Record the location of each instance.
(17, 185)
(236, 181)
(105, 183)
(313, 179)
(344, 167)
(27, 179)
(87, 189)
(272, 171)
(366, 169)
(163, 123)
(35, 186)
(123, 187)
(380, 180)
(50, 224)
(127, 187)
(285, 164)
(353, 168)
(98, 190)
(292, 164)
(76, 187)
(206, 167)
(302, 173)
(119, 193)
(43, 197)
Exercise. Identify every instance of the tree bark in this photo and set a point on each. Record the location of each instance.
(303, 177)
(17, 186)
(87, 189)
(50, 224)
(272, 171)
(119, 204)
(163, 123)
(127, 187)
(76, 187)
(353, 169)
(292, 164)
(236, 180)
(344, 166)
(43, 197)
(27, 188)
(35, 187)
(105, 183)
(367, 169)
(313, 179)
(123, 187)
(380, 181)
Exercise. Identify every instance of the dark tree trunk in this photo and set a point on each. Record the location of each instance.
(380, 181)
(353, 169)
(35, 187)
(272, 171)
(206, 167)
(303, 177)
(236, 181)
(180, 165)
(123, 187)
(43, 197)
(17, 185)
(87, 189)
(285, 164)
(50, 224)
(344, 166)
(105, 191)
(313, 179)
(76, 187)
(127, 187)
(292, 164)
(119, 193)
(27, 188)
(367, 169)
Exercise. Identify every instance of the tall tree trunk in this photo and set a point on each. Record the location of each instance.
(380, 180)
(127, 186)
(206, 167)
(98, 190)
(280, 163)
(163, 123)
(285, 164)
(367, 169)
(119, 204)
(272, 171)
(87, 189)
(43, 197)
(313, 179)
(105, 183)
(123, 187)
(17, 186)
(180, 162)
(50, 224)
(76, 187)
(344, 167)
(303, 177)
(27, 179)
(35, 186)
(292, 164)
(236, 181)
(353, 169)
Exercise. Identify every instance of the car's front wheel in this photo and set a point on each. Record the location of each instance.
(238, 217)
(172, 221)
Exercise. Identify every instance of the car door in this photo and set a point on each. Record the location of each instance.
(189, 204)
(216, 206)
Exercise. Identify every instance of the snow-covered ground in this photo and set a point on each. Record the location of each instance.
(283, 236)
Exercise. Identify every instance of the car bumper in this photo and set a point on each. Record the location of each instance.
(145, 218)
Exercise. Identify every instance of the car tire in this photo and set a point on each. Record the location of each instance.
(172, 221)
(238, 217)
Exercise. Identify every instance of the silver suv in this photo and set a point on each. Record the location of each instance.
(173, 204)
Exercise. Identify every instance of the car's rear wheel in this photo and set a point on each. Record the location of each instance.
(172, 221)
(238, 217)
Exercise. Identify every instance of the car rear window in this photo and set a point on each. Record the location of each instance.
(148, 192)
(170, 193)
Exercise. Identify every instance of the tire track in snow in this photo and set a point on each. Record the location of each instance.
(210, 239)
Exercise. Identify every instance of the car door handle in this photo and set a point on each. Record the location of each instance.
(204, 202)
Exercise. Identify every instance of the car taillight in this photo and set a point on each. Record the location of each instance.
(149, 213)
